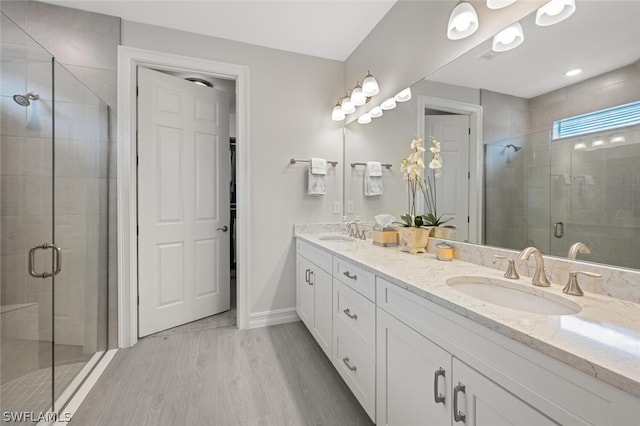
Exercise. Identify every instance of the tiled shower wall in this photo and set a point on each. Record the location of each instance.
(595, 192)
(86, 44)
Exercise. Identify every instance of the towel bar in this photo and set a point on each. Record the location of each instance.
(385, 165)
(294, 161)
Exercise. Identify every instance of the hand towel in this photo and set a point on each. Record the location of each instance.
(373, 179)
(317, 182)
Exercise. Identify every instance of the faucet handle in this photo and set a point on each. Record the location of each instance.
(573, 287)
(511, 273)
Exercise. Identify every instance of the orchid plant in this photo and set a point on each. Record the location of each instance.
(413, 172)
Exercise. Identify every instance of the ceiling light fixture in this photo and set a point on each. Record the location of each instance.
(463, 21)
(509, 38)
(499, 4)
(370, 85)
(573, 73)
(388, 104)
(376, 112)
(555, 11)
(404, 95)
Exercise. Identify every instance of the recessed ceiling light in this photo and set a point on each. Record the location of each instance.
(573, 72)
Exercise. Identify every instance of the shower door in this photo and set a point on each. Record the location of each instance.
(54, 162)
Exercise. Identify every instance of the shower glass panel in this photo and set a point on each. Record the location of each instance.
(26, 198)
(54, 165)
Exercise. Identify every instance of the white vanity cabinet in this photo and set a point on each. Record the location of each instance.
(354, 331)
(314, 292)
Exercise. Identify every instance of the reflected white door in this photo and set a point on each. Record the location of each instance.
(183, 201)
(452, 188)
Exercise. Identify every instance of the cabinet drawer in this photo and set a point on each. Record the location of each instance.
(357, 368)
(355, 277)
(356, 313)
(317, 256)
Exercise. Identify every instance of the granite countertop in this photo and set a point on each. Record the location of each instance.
(602, 340)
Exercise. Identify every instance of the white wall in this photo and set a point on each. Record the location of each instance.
(290, 98)
(410, 42)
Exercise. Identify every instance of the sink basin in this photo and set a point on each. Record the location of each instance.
(336, 238)
(513, 295)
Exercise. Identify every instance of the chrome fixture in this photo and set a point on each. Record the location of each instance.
(463, 21)
(540, 275)
(554, 12)
(515, 147)
(511, 273)
(25, 100)
(32, 261)
(578, 248)
(353, 230)
(572, 286)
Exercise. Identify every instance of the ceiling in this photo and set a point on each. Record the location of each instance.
(329, 29)
(599, 37)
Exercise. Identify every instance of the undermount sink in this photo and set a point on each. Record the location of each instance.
(513, 295)
(336, 238)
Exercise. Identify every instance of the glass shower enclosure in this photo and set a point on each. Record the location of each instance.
(54, 167)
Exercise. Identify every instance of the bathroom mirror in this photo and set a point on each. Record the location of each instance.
(521, 186)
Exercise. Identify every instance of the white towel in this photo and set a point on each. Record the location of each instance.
(317, 183)
(373, 179)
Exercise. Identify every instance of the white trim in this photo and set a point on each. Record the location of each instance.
(476, 210)
(86, 387)
(266, 318)
(128, 60)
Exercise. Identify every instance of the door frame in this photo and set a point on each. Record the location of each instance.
(476, 164)
(128, 60)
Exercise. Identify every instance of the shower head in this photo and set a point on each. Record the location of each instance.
(25, 100)
(515, 148)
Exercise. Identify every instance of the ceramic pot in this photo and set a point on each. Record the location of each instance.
(413, 240)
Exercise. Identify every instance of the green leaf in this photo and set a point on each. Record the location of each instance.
(407, 219)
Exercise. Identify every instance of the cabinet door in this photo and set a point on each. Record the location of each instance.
(413, 376)
(323, 295)
(484, 403)
(304, 291)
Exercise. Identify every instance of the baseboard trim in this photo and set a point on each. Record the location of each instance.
(279, 316)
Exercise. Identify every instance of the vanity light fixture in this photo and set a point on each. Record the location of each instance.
(388, 104)
(555, 11)
(357, 96)
(597, 143)
(509, 38)
(573, 73)
(337, 114)
(579, 146)
(499, 4)
(364, 118)
(463, 21)
(370, 85)
(404, 95)
(376, 112)
(346, 105)
(618, 139)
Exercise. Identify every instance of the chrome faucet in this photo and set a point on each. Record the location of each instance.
(353, 230)
(578, 248)
(539, 276)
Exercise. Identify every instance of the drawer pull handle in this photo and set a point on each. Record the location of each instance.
(349, 366)
(458, 416)
(437, 396)
(351, 277)
(311, 280)
(348, 313)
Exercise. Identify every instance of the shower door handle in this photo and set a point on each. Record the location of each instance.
(558, 229)
(32, 261)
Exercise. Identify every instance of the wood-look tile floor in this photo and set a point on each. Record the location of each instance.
(275, 375)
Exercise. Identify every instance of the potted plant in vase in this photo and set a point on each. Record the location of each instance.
(440, 230)
(413, 234)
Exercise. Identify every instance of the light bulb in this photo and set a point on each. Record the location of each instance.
(555, 11)
(463, 21)
(388, 104)
(376, 112)
(404, 95)
(347, 106)
(337, 114)
(357, 97)
(370, 85)
(364, 118)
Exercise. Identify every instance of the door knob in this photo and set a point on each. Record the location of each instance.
(223, 228)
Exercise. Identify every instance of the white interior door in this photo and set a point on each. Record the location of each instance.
(183, 201)
(452, 188)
